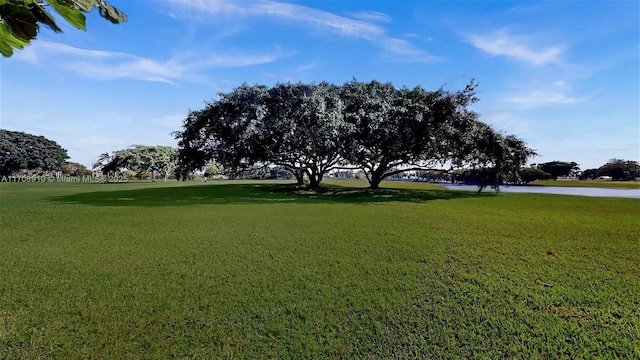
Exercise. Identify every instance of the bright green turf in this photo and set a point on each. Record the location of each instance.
(254, 270)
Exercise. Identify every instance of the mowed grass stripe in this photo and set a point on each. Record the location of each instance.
(241, 269)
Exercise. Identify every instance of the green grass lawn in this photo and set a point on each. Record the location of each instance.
(258, 270)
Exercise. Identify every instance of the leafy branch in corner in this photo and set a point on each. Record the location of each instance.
(20, 20)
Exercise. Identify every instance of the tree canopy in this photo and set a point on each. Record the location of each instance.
(297, 126)
(19, 150)
(558, 169)
(75, 169)
(140, 159)
(530, 174)
(20, 20)
(376, 127)
(619, 169)
(398, 130)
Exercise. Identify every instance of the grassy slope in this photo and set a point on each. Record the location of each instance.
(244, 270)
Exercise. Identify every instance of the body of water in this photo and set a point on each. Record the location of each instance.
(558, 190)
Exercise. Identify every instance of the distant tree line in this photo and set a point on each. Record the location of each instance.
(312, 129)
(140, 161)
(615, 169)
(22, 152)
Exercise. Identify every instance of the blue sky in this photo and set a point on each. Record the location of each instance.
(563, 75)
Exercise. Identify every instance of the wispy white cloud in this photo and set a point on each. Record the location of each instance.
(417, 36)
(362, 26)
(34, 52)
(557, 93)
(292, 12)
(502, 43)
(372, 16)
(63, 48)
(404, 51)
(107, 65)
(542, 97)
(307, 67)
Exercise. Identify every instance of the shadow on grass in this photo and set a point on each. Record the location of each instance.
(256, 194)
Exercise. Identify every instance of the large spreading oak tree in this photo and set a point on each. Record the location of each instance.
(22, 151)
(399, 130)
(221, 132)
(297, 126)
(311, 129)
(303, 129)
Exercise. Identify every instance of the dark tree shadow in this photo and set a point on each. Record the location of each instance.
(257, 194)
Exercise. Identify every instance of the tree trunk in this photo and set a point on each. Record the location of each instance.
(374, 183)
(376, 178)
(314, 178)
(314, 181)
(299, 177)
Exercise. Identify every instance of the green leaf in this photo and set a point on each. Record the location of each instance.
(110, 13)
(85, 5)
(19, 21)
(44, 17)
(74, 16)
(8, 41)
(5, 49)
